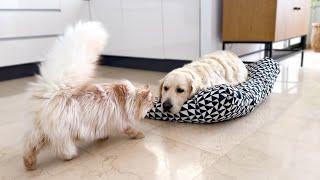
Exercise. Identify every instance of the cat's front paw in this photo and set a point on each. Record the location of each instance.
(134, 134)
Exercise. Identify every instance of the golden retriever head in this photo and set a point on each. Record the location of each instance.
(175, 89)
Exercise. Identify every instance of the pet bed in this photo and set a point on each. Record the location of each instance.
(225, 102)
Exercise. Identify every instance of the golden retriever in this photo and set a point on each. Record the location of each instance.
(220, 67)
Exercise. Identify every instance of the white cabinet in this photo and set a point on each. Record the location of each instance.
(181, 29)
(24, 18)
(23, 51)
(29, 27)
(164, 29)
(134, 26)
(29, 23)
(38, 22)
(29, 4)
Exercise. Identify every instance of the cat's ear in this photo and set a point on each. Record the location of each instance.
(144, 93)
(160, 88)
(146, 86)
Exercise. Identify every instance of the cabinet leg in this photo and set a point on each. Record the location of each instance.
(303, 47)
(265, 50)
(268, 49)
(302, 58)
(223, 45)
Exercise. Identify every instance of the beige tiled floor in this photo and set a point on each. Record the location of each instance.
(279, 140)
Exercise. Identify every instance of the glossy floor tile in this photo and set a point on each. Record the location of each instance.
(279, 140)
(266, 156)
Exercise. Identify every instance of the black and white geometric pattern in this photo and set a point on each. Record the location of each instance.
(224, 102)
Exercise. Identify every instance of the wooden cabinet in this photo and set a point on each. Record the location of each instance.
(264, 20)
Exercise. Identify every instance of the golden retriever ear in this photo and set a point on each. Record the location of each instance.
(195, 87)
(160, 88)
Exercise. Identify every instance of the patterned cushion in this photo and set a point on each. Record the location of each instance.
(224, 102)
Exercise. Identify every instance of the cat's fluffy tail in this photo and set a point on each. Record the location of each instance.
(72, 60)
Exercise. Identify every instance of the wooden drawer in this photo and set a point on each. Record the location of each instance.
(264, 20)
(248, 20)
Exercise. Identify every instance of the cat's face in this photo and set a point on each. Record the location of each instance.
(144, 102)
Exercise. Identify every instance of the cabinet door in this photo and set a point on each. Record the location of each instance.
(30, 4)
(23, 18)
(29, 27)
(292, 18)
(181, 28)
(300, 11)
(135, 27)
(281, 20)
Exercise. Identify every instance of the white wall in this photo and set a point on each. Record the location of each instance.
(29, 27)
